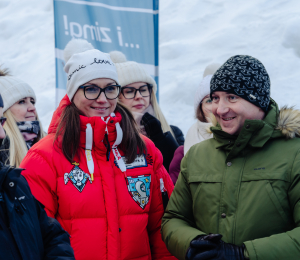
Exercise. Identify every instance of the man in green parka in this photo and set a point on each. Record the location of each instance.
(238, 194)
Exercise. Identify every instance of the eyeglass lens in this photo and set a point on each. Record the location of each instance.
(93, 92)
(130, 92)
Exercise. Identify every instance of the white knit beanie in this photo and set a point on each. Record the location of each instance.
(211, 69)
(204, 87)
(13, 89)
(130, 71)
(85, 65)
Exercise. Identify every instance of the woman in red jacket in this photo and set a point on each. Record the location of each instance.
(95, 174)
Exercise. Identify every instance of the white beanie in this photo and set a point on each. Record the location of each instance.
(211, 69)
(13, 89)
(204, 87)
(86, 65)
(130, 71)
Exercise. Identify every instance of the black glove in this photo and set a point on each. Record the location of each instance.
(152, 126)
(212, 247)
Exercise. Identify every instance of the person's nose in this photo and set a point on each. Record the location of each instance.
(138, 95)
(222, 108)
(102, 98)
(31, 107)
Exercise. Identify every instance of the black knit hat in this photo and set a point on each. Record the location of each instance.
(246, 77)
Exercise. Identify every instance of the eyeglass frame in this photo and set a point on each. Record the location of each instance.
(150, 87)
(2, 120)
(101, 90)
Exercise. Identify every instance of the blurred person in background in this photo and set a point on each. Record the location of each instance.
(26, 232)
(241, 199)
(94, 172)
(138, 93)
(23, 127)
(199, 131)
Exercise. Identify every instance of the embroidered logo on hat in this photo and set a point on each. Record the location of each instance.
(85, 66)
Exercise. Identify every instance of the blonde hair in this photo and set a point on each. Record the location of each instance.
(159, 115)
(17, 146)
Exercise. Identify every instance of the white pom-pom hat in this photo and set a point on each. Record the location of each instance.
(211, 69)
(76, 46)
(130, 71)
(85, 64)
(117, 56)
(13, 89)
(204, 86)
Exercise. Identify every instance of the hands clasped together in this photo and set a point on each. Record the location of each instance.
(212, 247)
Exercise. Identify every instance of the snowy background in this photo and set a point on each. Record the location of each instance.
(193, 34)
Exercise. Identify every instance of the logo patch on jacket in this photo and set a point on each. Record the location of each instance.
(139, 161)
(78, 177)
(139, 189)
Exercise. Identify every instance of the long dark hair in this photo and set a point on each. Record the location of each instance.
(68, 133)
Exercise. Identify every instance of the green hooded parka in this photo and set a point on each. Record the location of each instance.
(245, 187)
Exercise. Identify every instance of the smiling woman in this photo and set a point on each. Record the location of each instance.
(23, 128)
(95, 173)
(90, 100)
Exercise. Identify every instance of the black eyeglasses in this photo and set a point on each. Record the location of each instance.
(92, 92)
(130, 92)
(2, 120)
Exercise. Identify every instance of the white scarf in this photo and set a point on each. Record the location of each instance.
(197, 133)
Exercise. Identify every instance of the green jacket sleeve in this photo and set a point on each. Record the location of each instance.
(285, 245)
(178, 225)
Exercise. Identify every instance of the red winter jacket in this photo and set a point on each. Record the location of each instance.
(115, 216)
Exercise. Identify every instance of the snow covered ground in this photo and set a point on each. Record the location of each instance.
(192, 34)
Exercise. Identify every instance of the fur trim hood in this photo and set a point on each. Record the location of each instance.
(289, 122)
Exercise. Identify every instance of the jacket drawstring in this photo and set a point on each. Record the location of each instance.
(114, 147)
(88, 149)
(115, 150)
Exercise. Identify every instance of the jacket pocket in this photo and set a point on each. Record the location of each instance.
(276, 201)
(195, 187)
(205, 191)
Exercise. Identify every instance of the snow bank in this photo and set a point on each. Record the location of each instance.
(27, 48)
(192, 34)
(201, 32)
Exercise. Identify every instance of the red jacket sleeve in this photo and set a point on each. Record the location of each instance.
(41, 177)
(161, 181)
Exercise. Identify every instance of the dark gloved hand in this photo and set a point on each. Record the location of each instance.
(152, 126)
(212, 247)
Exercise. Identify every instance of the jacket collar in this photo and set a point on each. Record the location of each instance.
(100, 127)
